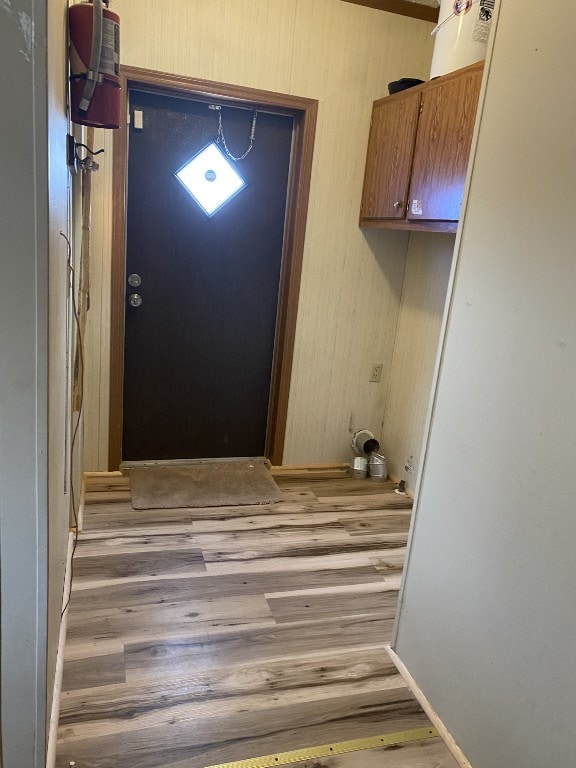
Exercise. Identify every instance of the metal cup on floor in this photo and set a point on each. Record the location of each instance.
(359, 467)
(378, 467)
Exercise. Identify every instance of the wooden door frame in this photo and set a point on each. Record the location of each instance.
(304, 112)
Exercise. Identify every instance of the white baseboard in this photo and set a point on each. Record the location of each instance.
(447, 738)
(57, 690)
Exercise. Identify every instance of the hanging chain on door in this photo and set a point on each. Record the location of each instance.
(221, 140)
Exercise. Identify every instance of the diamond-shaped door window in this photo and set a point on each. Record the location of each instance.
(210, 178)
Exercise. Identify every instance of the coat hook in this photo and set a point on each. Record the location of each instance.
(77, 163)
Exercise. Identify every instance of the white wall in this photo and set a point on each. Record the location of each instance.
(343, 55)
(488, 616)
(33, 505)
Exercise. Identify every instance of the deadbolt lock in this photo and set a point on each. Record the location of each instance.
(135, 300)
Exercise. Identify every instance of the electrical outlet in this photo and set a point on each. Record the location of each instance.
(376, 373)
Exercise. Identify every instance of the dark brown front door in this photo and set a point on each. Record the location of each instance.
(199, 346)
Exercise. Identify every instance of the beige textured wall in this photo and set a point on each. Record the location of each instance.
(422, 309)
(343, 55)
(97, 332)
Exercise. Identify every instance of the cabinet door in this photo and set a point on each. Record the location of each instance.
(389, 157)
(443, 148)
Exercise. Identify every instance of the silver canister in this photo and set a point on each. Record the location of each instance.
(359, 467)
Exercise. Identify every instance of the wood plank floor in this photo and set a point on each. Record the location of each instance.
(203, 636)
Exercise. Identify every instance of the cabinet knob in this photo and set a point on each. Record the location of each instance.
(399, 204)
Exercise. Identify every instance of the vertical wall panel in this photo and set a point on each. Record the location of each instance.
(34, 383)
(488, 617)
(97, 341)
(419, 324)
(343, 55)
(61, 332)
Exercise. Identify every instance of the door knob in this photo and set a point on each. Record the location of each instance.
(135, 300)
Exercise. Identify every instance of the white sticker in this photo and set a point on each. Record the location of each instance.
(417, 207)
(482, 24)
(110, 51)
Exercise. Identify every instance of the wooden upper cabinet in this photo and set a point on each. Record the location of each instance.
(442, 148)
(389, 157)
(418, 154)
